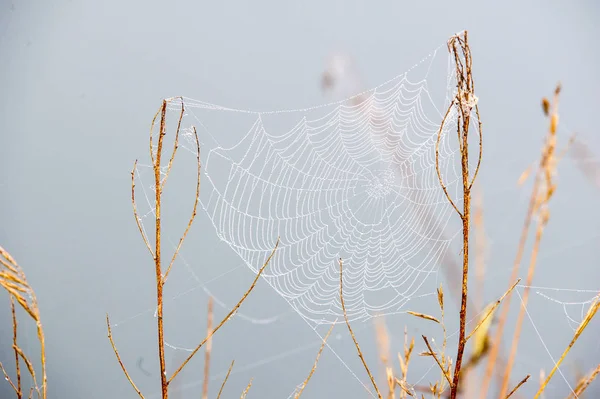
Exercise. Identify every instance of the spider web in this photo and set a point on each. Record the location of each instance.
(353, 179)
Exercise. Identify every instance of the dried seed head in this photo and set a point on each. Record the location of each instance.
(423, 316)
(546, 106)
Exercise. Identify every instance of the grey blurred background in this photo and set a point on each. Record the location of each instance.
(80, 82)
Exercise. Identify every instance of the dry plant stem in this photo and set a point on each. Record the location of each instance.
(523, 381)
(582, 326)
(195, 208)
(14, 281)
(360, 355)
(464, 101)
(159, 183)
(135, 212)
(7, 378)
(246, 390)
(229, 315)
(114, 347)
(29, 366)
(314, 367)
(492, 309)
(225, 380)
(208, 349)
(17, 362)
(545, 188)
(439, 363)
(157, 255)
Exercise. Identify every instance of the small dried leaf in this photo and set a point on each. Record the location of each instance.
(481, 335)
(423, 316)
(426, 353)
(403, 387)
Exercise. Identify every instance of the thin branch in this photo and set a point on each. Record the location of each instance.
(225, 380)
(157, 252)
(112, 343)
(523, 381)
(194, 209)
(208, 349)
(135, 212)
(465, 100)
(314, 367)
(29, 366)
(437, 162)
(360, 355)
(17, 361)
(229, 315)
(492, 309)
(7, 378)
(544, 192)
(432, 352)
(175, 145)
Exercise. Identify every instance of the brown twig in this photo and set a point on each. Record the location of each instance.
(225, 380)
(360, 354)
(17, 362)
(314, 367)
(195, 208)
(7, 378)
(135, 212)
(114, 347)
(208, 349)
(157, 253)
(464, 101)
(439, 363)
(229, 315)
(159, 183)
(523, 381)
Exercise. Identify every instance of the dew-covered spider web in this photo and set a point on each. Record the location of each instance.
(352, 179)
